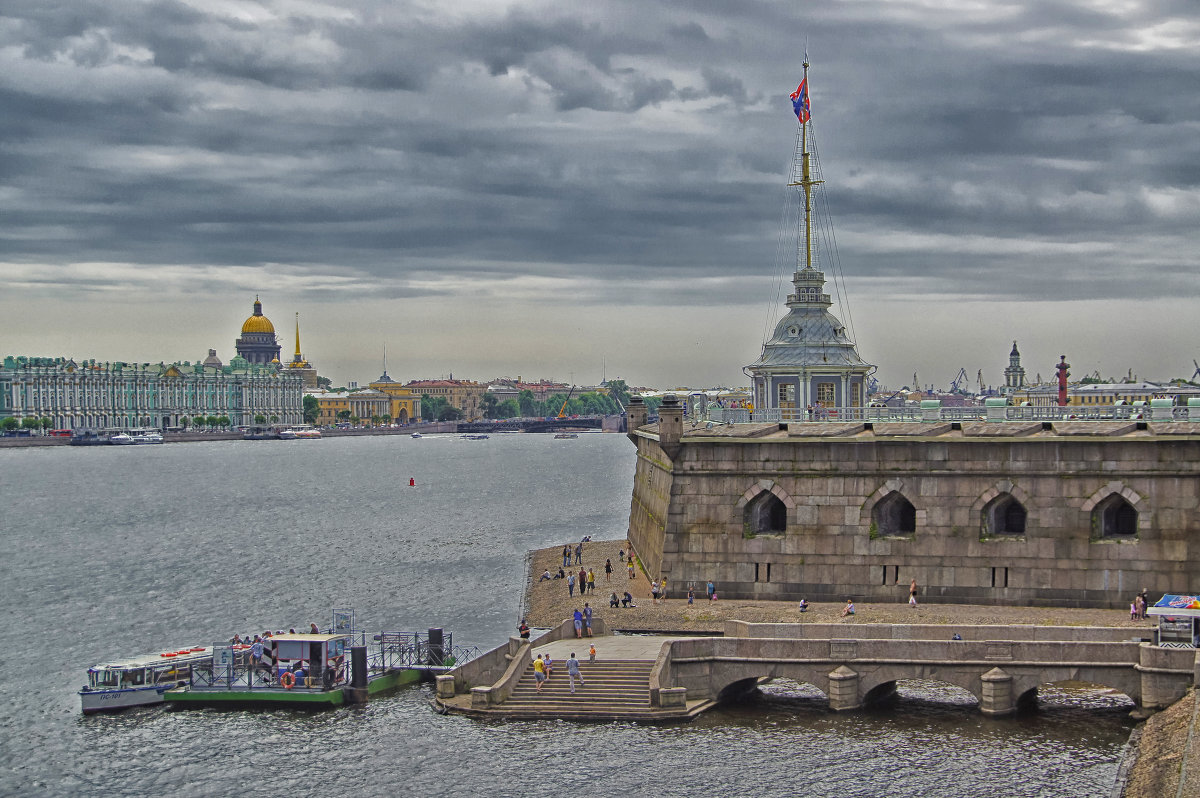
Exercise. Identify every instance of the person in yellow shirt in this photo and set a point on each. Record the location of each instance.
(539, 672)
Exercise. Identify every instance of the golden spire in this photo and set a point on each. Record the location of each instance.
(298, 335)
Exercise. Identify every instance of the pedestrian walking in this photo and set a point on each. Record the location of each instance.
(662, 589)
(1133, 609)
(573, 672)
(566, 557)
(711, 590)
(608, 570)
(591, 576)
(1145, 595)
(592, 653)
(912, 593)
(539, 672)
(631, 569)
(579, 554)
(587, 618)
(691, 596)
(621, 555)
(654, 591)
(571, 584)
(582, 581)
(578, 623)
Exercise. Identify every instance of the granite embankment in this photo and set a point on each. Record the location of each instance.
(1165, 759)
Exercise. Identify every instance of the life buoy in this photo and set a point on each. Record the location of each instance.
(288, 680)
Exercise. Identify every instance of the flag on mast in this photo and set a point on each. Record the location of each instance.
(800, 102)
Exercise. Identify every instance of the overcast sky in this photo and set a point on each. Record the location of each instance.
(571, 190)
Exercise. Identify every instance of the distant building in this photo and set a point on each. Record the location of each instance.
(298, 365)
(404, 405)
(118, 395)
(362, 404)
(1105, 393)
(465, 395)
(1014, 375)
(258, 344)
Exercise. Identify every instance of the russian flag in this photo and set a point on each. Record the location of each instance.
(800, 102)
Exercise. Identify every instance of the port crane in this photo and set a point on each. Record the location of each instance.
(562, 411)
(959, 383)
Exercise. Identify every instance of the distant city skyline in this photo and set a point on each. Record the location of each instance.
(537, 189)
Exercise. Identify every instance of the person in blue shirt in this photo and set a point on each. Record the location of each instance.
(578, 623)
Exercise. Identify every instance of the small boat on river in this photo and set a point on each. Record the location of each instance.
(145, 436)
(139, 681)
(565, 435)
(121, 439)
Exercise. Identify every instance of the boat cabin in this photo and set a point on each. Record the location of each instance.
(309, 656)
(168, 667)
(1178, 621)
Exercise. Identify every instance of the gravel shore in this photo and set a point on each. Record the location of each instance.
(547, 603)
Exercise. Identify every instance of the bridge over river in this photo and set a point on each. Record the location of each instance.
(1002, 666)
(575, 423)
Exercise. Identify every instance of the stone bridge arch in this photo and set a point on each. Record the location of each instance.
(729, 679)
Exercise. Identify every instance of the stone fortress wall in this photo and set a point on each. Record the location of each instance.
(1065, 514)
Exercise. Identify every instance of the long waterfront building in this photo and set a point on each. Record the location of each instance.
(121, 395)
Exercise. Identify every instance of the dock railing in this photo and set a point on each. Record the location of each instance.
(932, 411)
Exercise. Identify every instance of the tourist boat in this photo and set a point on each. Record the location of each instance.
(416, 434)
(303, 433)
(288, 434)
(121, 439)
(475, 437)
(139, 681)
(145, 436)
(259, 432)
(565, 435)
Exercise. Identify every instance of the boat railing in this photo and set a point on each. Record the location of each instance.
(399, 650)
(233, 669)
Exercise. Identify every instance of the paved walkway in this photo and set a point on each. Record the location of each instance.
(639, 647)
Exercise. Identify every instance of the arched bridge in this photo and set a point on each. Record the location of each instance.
(1001, 673)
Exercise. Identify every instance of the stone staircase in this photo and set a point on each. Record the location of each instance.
(614, 690)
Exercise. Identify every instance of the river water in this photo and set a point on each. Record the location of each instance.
(114, 551)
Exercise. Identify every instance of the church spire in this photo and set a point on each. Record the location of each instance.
(298, 358)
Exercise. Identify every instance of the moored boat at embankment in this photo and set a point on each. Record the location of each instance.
(139, 681)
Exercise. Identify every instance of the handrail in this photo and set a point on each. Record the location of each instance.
(909, 414)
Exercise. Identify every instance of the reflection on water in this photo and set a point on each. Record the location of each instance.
(130, 549)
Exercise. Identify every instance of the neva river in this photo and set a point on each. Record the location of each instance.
(114, 551)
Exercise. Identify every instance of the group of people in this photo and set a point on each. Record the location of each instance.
(1137, 607)
(543, 667)
(624, 601)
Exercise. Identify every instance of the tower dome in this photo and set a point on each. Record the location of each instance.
(258, 323)
(257, 343)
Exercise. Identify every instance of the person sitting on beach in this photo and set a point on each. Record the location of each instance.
(848, 609)
(613, 601)
(545, 575)
(627, 601)
(803, 605)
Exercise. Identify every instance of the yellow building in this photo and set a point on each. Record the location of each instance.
(404, 405)
(465, 395)
(363, 405)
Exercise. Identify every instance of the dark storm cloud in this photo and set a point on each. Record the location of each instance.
(622, 141)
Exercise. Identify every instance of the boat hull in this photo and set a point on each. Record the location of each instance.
(95, 701)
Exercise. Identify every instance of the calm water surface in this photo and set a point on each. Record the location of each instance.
(113, 551)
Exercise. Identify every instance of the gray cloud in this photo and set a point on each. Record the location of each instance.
(1018, 151)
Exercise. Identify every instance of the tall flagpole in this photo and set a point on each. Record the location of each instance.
(806, 181)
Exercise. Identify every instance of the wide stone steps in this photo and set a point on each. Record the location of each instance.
(612, 689)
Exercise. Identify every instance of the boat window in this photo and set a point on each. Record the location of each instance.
(106, 678)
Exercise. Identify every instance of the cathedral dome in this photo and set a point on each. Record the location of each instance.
(258, 323)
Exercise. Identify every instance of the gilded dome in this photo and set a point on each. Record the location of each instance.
(258, 323)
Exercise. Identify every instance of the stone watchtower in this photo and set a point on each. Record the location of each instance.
(1014, 375)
